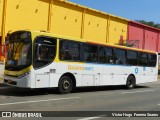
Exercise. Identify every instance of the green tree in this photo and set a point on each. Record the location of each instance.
(150, 23)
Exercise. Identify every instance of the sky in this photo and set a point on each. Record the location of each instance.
(148, 10)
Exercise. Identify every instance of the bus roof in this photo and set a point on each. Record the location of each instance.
(121, 47)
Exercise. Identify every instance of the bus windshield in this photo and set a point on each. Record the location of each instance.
(19, 54)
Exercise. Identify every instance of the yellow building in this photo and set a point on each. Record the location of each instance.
(61, 17)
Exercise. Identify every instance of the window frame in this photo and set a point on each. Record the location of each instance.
(152, 60)
(137, 58)
(107, 56)
(69, 41)
(34, 58)
(96, 53)
(141, 58)
(114, 55)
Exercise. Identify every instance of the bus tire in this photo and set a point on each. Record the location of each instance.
(130, 84)
(65, 85)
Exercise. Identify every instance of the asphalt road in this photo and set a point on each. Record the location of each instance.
(145, 97)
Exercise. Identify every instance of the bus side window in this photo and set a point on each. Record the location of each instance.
(105, 55)
(119, 56)
(69, 50)
(152, 58)
(102, 54)
(109, 55)
(90, 53)
(82, 55)
(143, 59)
(74, 51)
(64, 51)
(132, 57)
(44, 51)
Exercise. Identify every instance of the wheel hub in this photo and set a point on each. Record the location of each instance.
(66, 84)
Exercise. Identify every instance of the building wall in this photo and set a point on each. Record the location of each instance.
(77, 21)
(66, 19)
(95, 26)
(135, 32)
(151, 37)
(117, 28)
(1, 11)
(148, 37)
(158, 43)
(26, 14)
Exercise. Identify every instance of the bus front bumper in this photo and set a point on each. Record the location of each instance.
(17, 82)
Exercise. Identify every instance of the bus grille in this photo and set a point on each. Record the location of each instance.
(10, 82)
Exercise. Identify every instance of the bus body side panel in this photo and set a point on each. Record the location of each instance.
(85, 75)
(119, 75)
(63, 68)
(107, 75)
(144, 74)
(100, 75)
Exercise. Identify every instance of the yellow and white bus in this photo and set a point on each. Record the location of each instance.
(38, 59)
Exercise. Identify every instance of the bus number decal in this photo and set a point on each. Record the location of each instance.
(136, 70)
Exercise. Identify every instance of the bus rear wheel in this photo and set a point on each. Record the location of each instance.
(65, 85)
(130, 84)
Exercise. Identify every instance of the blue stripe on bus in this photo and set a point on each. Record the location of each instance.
(108, 64)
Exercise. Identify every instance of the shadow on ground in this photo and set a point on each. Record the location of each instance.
(21, 92)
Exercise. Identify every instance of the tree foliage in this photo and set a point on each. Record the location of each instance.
(150, 23)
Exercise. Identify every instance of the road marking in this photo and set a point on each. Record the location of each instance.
(38, 101)
(91, 118)
(138, 91)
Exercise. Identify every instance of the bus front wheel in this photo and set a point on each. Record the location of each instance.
(65, 85)
(130, 84)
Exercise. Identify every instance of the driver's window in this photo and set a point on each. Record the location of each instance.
(44, 51)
